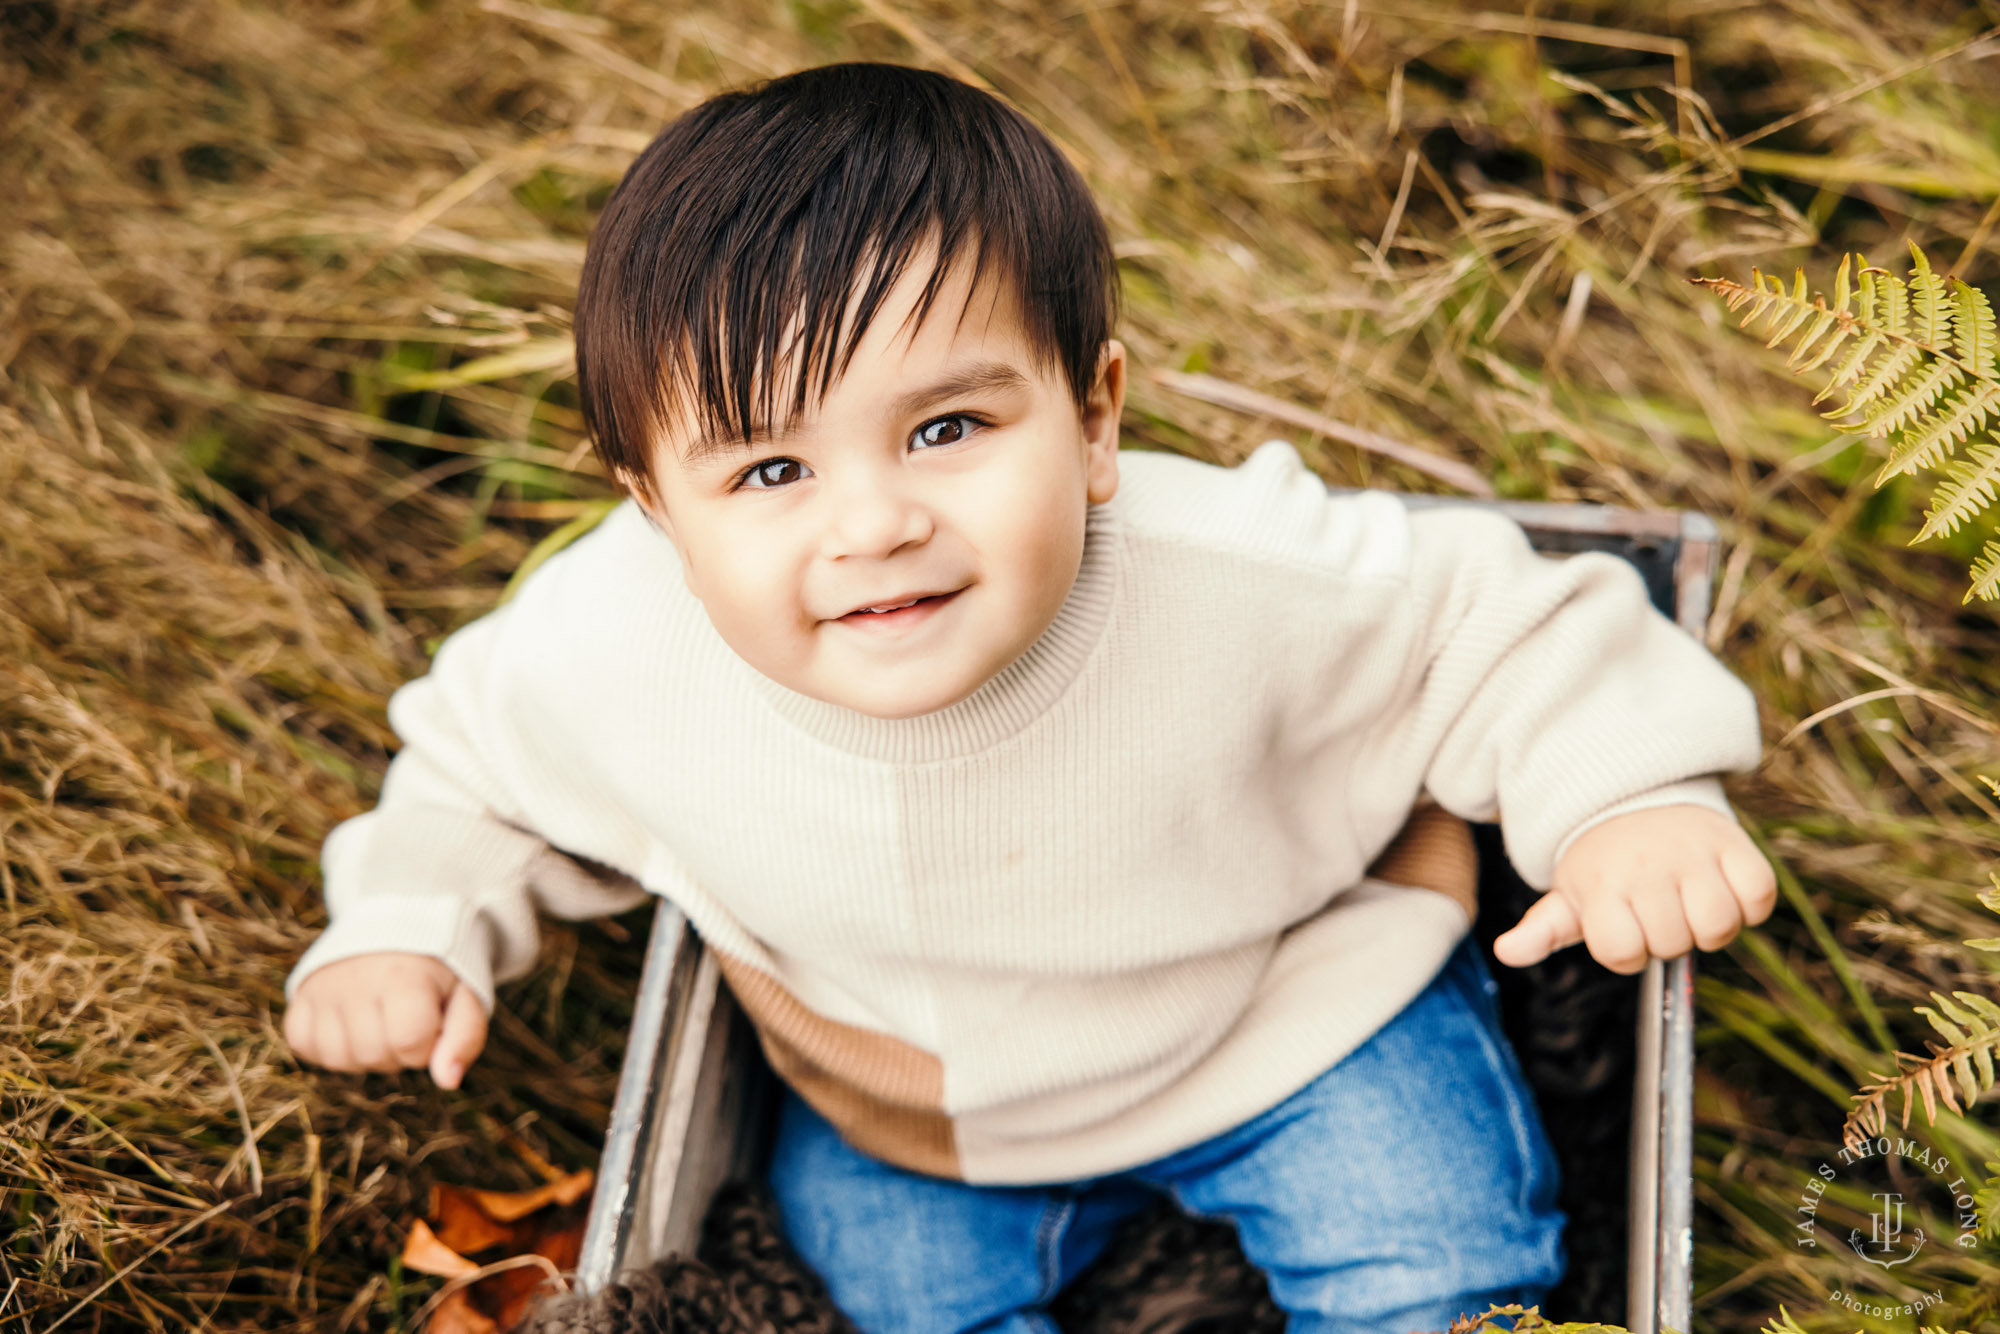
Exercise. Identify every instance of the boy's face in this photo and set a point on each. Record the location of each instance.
(941, 467)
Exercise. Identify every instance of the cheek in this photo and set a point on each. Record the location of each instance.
(1033, 528)
(747, 583)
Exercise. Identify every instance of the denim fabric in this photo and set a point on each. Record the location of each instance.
(1410, 1182)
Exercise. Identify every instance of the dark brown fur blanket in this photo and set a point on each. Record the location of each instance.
(1164, 1274)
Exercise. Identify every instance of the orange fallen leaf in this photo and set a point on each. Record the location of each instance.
(424, 1253)
(470, 1230)
(461, 1220)
(506, 1206)
(457, 1315)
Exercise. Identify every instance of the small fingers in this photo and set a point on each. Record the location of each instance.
(1751, 880)
(365, 1046)
(1658, 909)
(330, 1036)
(298, 1030)
(410, 1022)
(1549, 924)
(1714, 915)
(1612, 933)
(462, 1038)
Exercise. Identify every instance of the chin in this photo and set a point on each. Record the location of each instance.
(893, 704)
(902, 706)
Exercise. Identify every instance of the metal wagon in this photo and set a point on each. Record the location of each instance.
(1610, 1057)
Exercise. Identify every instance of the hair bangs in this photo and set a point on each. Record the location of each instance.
(735, 247)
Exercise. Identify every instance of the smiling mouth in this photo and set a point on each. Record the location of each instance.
(900, 612)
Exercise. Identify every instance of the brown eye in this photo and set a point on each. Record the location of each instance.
(774, 472)
(943, 431)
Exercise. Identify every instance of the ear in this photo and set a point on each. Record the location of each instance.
(1103, 408)
(654, 510)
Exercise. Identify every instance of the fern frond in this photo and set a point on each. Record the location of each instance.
(1870, 311)
(1960, 1025)
(1830, 317)
(1972, 1029)
(1929, 303)
(1907, 402)
(1973, 327)
(1986, 574)
(1982, 1057)
(1935, 437)
(1939, 434)
(1871, 339)
(1892, 304)
(1922, 362)
(1967, 489)
(1986, 1204)
(1527, 1318)
(1766, 296)
(1888, 372)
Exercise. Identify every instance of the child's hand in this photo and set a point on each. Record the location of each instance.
(1652, 883)
(387, 1011)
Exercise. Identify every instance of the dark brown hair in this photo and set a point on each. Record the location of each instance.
(760, 207)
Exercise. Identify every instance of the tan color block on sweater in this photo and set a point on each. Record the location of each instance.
(1434, 850)
(883, 1095)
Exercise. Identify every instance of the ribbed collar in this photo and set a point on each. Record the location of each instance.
(1013, 698)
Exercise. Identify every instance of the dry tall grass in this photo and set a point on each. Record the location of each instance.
(253, 260)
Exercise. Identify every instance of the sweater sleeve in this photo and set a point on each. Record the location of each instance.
(447, 863)
(1553, 694)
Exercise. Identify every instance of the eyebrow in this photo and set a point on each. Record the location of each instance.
(975, 378)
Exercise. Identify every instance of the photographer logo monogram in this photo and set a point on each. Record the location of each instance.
(1888, 1240)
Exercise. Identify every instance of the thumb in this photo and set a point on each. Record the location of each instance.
(460, 1038)
(1549, 924)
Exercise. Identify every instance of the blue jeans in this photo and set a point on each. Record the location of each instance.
(1407, 1184)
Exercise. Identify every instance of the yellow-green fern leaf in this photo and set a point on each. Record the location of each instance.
(1986, 1204)
(1968, 1029)
(1892, 303)
(1765, 295)
(1972, 326)
(1782, 1324)
(1857, 356)
(1934, 438)
(1792, 308)
(1865, 319)
(1886, 376)
(1865, 275)
(1907, 402)
(1919, 360)
(1986, 574)
(1961, 415)
(1951, 1031)
(1834, 317)
(1825, 320)
(1965, 1028)
(1929, 303)
(1982, 1057)
(1966, 491)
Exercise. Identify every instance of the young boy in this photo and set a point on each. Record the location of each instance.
(1027, 790)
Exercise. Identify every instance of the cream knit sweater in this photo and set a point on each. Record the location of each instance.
(1114, 902)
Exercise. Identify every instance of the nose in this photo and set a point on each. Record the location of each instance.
(874, 513)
